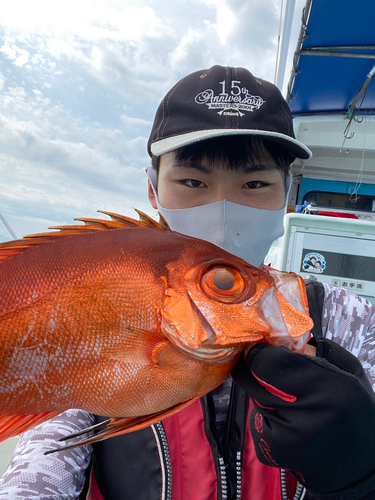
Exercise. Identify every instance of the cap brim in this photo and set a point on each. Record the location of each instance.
(292, 146)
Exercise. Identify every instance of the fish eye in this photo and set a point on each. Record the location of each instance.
(223, 279)
(225, 284)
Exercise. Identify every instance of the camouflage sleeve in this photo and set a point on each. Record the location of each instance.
(59, 476)
(349, 320)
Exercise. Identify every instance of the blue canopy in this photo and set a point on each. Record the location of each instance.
(334, 65)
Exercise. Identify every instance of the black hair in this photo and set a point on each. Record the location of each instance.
(233, 152)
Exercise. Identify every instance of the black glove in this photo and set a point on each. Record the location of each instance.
(313, 416)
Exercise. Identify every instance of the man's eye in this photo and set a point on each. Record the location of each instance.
(194, 183)
(255, 184)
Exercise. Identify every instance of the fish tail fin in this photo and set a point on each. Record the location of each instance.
(13, 425)
(117, 426)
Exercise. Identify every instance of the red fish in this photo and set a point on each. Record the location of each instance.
(129, 319)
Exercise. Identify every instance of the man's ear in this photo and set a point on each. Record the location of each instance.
(151, 196)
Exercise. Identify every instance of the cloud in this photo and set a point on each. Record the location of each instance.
(58, 167)
(80, 85)
(139, 48)
(225, 18)
(18, 56)
(134, 122)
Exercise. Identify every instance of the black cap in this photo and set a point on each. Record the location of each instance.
(223, 101)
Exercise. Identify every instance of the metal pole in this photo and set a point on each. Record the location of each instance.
(302, 36)
(8, 227)
(285, 40)
(362, 89)
(333, 53)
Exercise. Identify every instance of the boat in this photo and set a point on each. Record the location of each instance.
(331, 94)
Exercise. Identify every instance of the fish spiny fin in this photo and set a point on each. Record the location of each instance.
(10, 248)
(14, 247)
(117, 426)
(162, 224)
(144, 220)
(13, 425)
(122, 220)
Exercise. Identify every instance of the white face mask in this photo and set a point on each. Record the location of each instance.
(246, 232)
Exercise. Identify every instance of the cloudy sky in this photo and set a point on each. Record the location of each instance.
(80, 81)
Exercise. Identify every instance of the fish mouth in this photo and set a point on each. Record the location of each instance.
(206, 351)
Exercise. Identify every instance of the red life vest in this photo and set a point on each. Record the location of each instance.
(197, 471)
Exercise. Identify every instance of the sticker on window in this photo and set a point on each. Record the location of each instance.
(313, 263)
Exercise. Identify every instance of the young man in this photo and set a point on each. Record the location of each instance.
(221, 146)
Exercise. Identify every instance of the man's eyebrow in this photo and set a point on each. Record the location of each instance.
(249, 169)
(191, 164)
(246, 169)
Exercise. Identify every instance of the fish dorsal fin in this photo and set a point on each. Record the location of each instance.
(14, 247)
(144, 220)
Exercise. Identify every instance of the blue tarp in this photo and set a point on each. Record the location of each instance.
(326, 84)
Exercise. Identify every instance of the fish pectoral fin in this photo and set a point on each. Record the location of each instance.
(117, 426)
(13, 425)
(136, 346)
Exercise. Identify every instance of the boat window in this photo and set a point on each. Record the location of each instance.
(340, 200)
